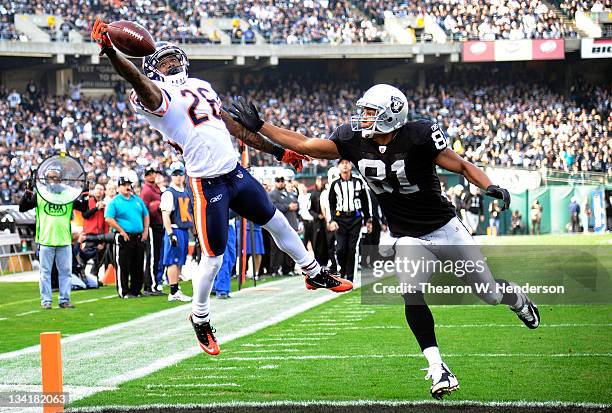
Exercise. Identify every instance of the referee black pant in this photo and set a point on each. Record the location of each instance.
(347, 235)
(130, 261)
(153, 248)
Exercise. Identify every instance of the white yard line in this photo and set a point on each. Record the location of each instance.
(295, 406)
(92, 300)
(569, 325)
(322, 328)
(408, 355)
(330, 329)
(277, 344)
(291, 338)
(27, 313)
(139, 347)
(215, 368)
(280, 350)
(339, 324)
(29, 300)
(284, 336)
(176, 386)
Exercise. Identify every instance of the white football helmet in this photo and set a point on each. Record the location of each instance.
(391, 108)
(177, 75)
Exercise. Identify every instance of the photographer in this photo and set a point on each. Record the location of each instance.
(129, 217)
(53, 235)
(90, 246)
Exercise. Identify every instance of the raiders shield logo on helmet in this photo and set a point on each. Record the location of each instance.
(396, 104)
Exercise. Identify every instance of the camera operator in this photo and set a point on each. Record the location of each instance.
(94, 223)
(54, 236)
(129, 217)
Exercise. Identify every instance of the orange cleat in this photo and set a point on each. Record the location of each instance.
(326, 280)
(206, 337)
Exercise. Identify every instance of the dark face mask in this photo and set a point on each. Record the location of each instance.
(175, 70)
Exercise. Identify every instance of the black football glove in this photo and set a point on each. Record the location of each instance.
(173, 240)
(499, 193)
(246, 114)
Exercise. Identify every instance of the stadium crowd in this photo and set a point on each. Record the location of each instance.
(310, 21)
(513, 124)
(570, 7)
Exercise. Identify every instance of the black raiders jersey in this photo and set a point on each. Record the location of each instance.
(402, 175)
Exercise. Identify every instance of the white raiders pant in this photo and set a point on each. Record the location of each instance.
(453, 243)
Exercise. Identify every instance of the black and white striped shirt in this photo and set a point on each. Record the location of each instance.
(349, 196)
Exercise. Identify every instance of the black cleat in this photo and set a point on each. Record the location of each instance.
(325, 279)
(206, 336)
(528, 314)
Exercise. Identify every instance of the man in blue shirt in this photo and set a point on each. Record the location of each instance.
(129, 217)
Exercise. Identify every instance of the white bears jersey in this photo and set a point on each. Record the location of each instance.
(189, 119)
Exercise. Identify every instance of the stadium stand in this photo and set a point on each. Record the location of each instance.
(298, 21)
(498, 19)
(303, 22)
(570, 7)
(510, 123)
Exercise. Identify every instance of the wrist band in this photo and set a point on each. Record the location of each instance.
(278, 152)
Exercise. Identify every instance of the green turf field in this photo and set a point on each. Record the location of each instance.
(347, 352)
(22, 319)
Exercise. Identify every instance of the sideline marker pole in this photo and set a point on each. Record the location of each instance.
(51, 363)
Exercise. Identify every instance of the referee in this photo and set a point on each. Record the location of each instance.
(349, 204)
(129, 217)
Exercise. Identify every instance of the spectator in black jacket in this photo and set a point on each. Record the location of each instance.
(285, 202)
(319, 226)
(94, 224)
(474, 205)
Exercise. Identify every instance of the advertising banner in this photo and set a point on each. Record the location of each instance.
(478, 51)
(548, 49)
(596, 48)
(513, 50)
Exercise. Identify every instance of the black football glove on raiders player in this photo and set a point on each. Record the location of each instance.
(499, 193)
(246, 114)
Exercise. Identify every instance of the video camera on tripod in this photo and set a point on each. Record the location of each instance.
(108, 238)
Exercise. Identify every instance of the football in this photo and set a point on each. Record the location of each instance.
(131, 38)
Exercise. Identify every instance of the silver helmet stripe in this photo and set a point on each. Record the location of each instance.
(391, 108)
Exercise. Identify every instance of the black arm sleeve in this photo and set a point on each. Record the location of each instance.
(90, 212)
(27, 202)
(81, 203)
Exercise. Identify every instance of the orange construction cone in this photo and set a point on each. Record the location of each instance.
(110, 276)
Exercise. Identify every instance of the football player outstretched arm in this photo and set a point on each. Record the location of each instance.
(259, 142)
(450, 161)
(248, 116)
(148, 93)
